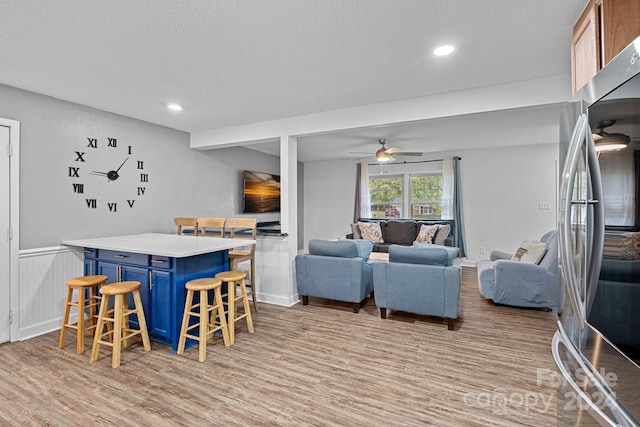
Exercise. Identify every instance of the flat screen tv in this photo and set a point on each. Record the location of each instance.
(261, 192)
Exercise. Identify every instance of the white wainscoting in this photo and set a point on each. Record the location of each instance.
(274, 271)
(43, 273)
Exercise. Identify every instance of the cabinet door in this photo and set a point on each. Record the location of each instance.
(139, 275)
(585, 47)
(90, 267)
(160, 304)
(620, 26)
(108, 269)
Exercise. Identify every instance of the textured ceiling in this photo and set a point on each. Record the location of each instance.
(232, 62)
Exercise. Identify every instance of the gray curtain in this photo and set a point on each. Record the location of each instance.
(458, 211)
(362, 207)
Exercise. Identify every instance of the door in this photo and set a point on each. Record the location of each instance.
(138, 274)
(160, 300)
(5, 252)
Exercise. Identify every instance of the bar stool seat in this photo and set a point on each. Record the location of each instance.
(119, 317)
(231, 278)
(88, 299)
(211, 318)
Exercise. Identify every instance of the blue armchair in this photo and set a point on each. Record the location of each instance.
(522, 284)
(418, 280)
(337, 270)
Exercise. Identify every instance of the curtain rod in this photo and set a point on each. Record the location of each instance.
(417, 161)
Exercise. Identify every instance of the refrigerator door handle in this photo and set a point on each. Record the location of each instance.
(622, 418)
(594, 255)
(565, 238)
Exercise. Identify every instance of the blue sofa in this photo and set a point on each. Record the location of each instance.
(418, 280)
(337, 270)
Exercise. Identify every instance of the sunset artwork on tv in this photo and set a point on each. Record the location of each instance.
(261, 192)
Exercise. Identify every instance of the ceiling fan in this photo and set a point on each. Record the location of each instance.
(385, 154)
(609, 141)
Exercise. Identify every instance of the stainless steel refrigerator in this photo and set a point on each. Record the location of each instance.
(597, 345)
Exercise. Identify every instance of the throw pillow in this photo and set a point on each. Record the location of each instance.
(426, 233)
(530, 251)
(371, 231)
(443, 233)
(355, 231)
(630, 246)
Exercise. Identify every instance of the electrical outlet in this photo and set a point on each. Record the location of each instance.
(482, 250)
(544, 206)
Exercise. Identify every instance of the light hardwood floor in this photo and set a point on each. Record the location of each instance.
(319, 365)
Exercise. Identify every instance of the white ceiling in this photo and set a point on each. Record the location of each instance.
(232, 62)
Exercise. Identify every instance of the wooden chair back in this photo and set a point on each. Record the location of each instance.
(186, 222)
(215, 223)
(239, 224)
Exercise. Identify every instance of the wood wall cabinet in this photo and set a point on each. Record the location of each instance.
(604, 28)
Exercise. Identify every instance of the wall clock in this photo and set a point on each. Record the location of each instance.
(108, 175)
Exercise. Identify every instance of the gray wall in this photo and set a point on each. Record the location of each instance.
(182, 181)
(501, 187)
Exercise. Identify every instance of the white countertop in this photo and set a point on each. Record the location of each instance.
(171, 245)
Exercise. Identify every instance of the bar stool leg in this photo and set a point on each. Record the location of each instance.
(204, 322)
(81, 322)
(95, 349)
(253, 286)
(218, 313)
(231, 310)
(185, 322)
(245, 303)
(65, 318)
(142, 321)
(117, 330)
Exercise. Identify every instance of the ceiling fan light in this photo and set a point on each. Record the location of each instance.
(612, 142)
(382, 156)
(610, 146)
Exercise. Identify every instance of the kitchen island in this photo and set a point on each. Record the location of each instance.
(163, 264)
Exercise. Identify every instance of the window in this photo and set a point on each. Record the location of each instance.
(388, 200)
(426, 196)
(386, 196)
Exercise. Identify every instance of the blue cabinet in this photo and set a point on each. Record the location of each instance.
(160, 303)
(90, 262)
(162, 281)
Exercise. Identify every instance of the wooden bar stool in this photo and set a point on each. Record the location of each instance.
(239, 255)
(88, 299)
(181, 222)
(231, 277)
(214, 225)
(211, 318)
(119, 317)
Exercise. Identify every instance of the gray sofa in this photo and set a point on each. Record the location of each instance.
(404, 232)
(337, 270)
(418, 280)
(522, 284)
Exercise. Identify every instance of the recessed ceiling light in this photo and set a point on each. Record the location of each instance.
(444, 50)
(174, 107)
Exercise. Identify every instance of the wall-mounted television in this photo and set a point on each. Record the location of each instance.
(261, 192)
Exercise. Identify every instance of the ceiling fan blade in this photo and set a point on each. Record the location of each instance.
(408, 153)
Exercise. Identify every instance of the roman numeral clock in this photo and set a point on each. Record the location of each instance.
(108, 175)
